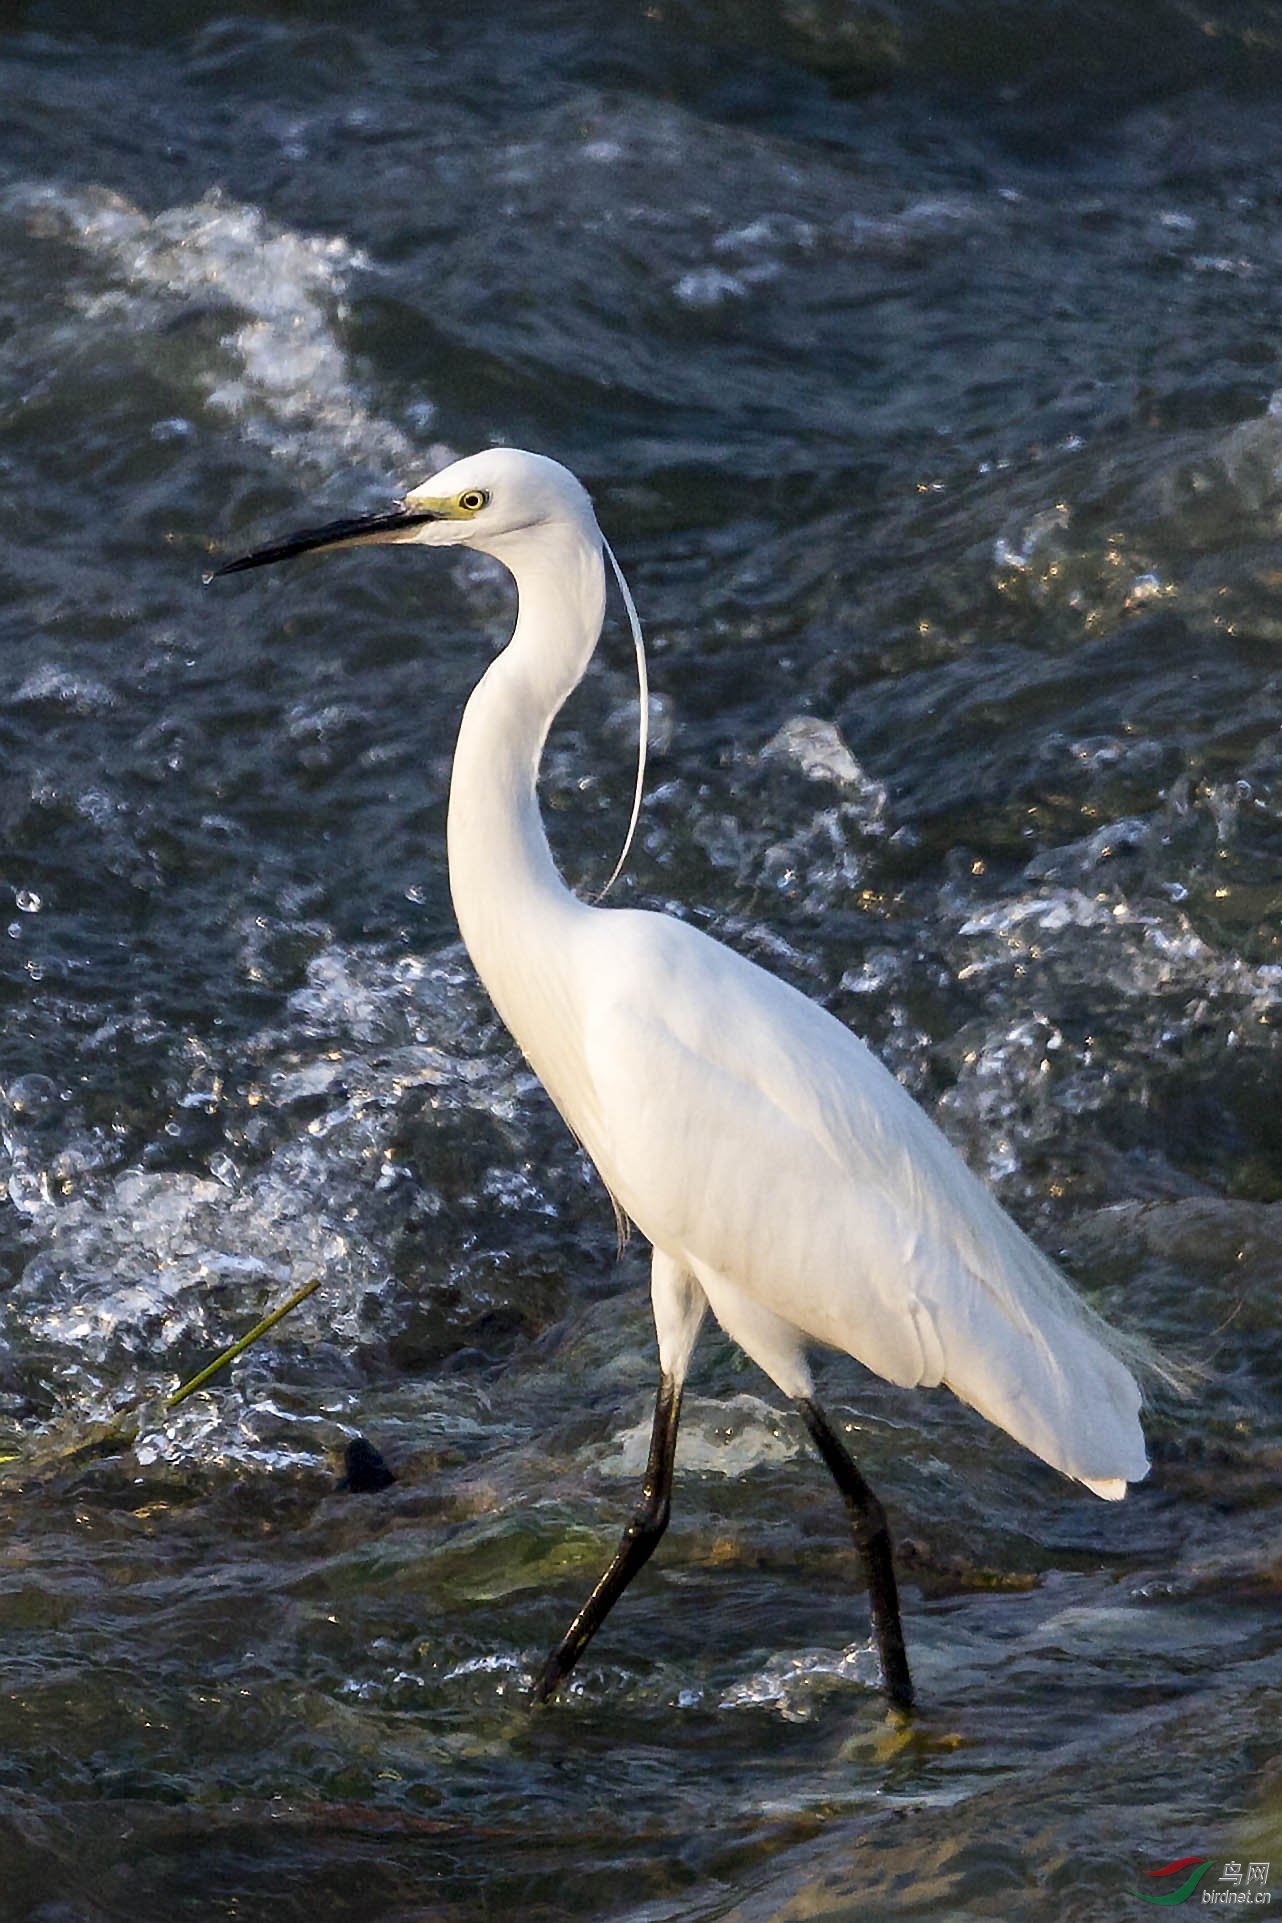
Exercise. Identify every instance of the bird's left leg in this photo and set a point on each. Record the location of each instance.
(679, 1307)
(872, 1540)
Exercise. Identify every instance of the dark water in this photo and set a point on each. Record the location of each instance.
(924, 364)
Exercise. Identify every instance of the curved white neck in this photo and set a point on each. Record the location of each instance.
(514, 910)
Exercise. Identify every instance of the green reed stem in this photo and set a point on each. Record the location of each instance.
(246, 1341)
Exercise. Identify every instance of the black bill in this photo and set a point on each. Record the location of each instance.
(385, 526)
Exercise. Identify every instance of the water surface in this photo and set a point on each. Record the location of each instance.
(923, 365)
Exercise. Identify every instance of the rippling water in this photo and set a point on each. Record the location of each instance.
(923, 362)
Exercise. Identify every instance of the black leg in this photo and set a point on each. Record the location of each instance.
(639, 1542)
(872, 1540)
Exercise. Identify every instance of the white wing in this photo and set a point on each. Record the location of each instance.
(754, 1138)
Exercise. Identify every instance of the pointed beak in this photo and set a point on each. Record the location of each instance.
(394, 524)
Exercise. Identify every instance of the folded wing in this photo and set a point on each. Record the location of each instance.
(754, 1138)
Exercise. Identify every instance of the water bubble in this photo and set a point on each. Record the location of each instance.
(32, 1099)
(28, 1189)
(224, 1169)
(28, 901)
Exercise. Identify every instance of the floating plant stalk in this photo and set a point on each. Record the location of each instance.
(246, 1341)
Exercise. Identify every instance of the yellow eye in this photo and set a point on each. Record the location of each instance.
(473, 500)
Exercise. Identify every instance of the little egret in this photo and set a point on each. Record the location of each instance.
(781, 1174)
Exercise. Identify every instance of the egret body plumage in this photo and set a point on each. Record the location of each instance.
(782, 1176)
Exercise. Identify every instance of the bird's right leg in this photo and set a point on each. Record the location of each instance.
(639, 1541)
(872, 1540)
(679, 1307)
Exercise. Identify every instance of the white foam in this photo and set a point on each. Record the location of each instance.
(794, 1683)
(283, 373)
(137, 1271)
(718, 1438)
(72, 691)
(709, 287)
(817, 749)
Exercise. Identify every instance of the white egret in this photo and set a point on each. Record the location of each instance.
(781, 1174)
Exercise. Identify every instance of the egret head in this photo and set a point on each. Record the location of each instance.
(506, 503)
(484, 501)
